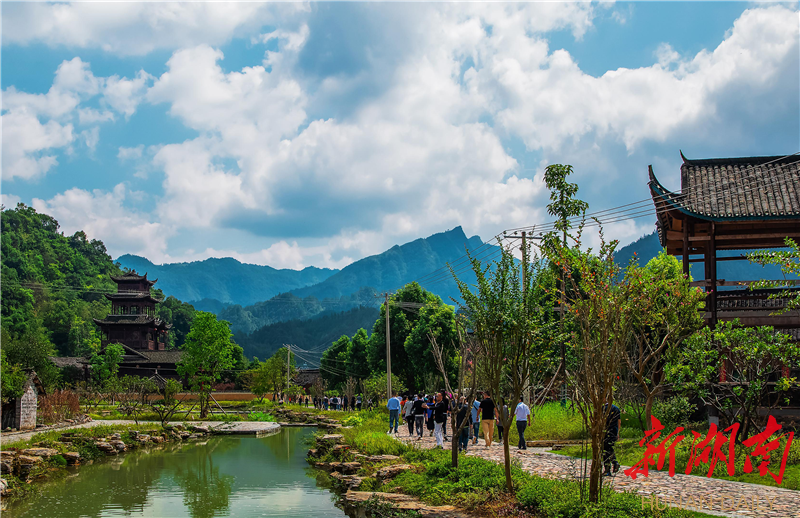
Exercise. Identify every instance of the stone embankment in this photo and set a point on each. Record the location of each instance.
(289, 418)
(32, 463)
(351, 475)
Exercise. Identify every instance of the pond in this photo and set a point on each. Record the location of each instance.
(224, 476)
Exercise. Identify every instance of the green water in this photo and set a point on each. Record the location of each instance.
(224, 476)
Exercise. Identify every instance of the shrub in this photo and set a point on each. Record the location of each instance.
(58, 405)
(260, 416)
(673, 412)
(353, 420)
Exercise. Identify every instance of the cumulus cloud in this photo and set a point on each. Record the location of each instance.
(37, 126)
(102, 215)
(135, 28)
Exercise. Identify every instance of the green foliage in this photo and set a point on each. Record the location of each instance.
(673, 412)
(166, 404)
(53, 286)
(179, 314)
(375, 386)
(333, 363)
(105, 364)
(789, 263)
(752, 356)
(563, 204)
(31, 351)
(411, 354)
(260, 416)
(12, 378)
(208, 352)
(353, 420)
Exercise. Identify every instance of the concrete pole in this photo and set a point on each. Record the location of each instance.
(388, 352)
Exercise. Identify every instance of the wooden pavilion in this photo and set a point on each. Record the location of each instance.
(732, 204)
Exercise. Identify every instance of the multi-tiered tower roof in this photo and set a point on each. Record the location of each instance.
(132, 321)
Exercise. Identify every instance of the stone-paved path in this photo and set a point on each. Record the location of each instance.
(727, 498)
(235, 428)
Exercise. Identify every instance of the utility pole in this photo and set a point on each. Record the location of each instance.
(524, 236)
(388, 351)
(288, 365)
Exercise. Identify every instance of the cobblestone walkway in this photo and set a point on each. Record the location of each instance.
(711, 496)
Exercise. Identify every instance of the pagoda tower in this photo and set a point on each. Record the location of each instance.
(132, 321)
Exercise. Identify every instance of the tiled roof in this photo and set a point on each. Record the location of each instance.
(127, 319)
(133, 320)
(69, 361)
(132, 276)
(130, 295)
(721, 189)
(306, 377)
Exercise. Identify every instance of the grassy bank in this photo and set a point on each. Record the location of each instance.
(478, 484)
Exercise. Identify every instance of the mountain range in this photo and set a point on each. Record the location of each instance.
(267, 307)
(220, 282)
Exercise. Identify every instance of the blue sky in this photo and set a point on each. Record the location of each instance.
(301, 134)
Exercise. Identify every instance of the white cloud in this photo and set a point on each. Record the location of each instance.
(26, 143)
(102, 215)
(135, 28)
(36, 126)
(124, 95)
(130, 153)
(9, 201)
(92, 116)
(91, 137)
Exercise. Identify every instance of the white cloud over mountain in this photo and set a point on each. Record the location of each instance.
(426, 149)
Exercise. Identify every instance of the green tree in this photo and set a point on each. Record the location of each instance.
(375, 386)
(166, 402)
(207, 353)
(507, 313)
(436, 319)
(12, 378)
(753, 359)
(32, 351)
(668, 314)
(401, 323)
(357, 366)
(334, 361)
(602, 306)
(105, 364)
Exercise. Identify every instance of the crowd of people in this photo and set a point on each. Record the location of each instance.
(430, 413)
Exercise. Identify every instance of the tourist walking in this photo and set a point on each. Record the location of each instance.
(502, 416)
(429, 423)
(463, 419)
(358, 403)
(346, 401)
(476, 422)
(394, 412)
(408, 414)
(325, 402)
(613, 427)
(420, 407)
(439, 418)
(488, 414)
(523, 417)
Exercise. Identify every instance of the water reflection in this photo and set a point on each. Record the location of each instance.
(225, 476)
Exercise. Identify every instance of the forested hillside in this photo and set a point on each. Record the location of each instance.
(314, 333)
(53, 286)
(224, 280)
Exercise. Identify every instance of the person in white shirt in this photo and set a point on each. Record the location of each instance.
(523, 414)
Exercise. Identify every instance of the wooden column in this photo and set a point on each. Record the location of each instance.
(685, 225)
(713, 263)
